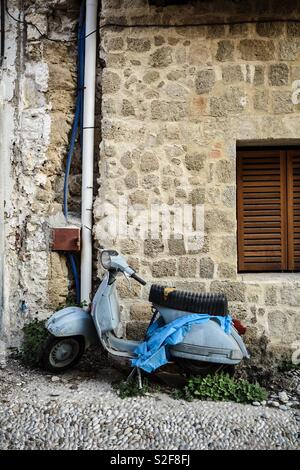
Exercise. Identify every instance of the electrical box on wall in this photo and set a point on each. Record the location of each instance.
(66, 239)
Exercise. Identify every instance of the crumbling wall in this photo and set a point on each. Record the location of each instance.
(40, 69)
(176, 100)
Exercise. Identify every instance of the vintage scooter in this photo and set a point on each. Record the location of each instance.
(205, 348)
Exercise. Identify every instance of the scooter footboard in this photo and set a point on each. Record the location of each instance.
(209, 343)
(73, 321)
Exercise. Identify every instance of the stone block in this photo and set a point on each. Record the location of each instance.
(126, 161)
(162, 57)
(205, 81)
(131, 180)
(235, 291)
(115, 60)
(257, 49)
(190, 286)
(218, 221)
(151, 181)
(168, 111)
(282, 102)
(196, 196)
(271, 295)
(153, 247)
(229, 197)
(215, 31)
(232, 74)
(140, 311)
(288, 49)
(225, 50)
(290, 294)
(270, 30)
(127, 108)
(259, 75)
(136, 330)
(114, 43)
(127, 290)
(138, 44)
(187, 266)
(134, 263)
(129, 247)
(225, 171)
(280, 325)
(151, 76)
(139, 197)
(207, 268)
(226, 271)
(253, 293)
(111, 82)
(238, 30)
(293, 29)
(164, 268)
(159, 40)
(194, 161)
(261, 100)
(149, 162)
(176, 246)
(278, 74)
(233, 101)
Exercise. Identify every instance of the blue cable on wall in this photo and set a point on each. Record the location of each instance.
(77, 123)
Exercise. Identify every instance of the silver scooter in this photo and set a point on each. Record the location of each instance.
(205, 348)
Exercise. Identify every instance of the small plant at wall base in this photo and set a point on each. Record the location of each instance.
(131, 388)
(221, 387)
(35, 334)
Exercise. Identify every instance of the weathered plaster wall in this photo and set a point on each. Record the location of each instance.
(176, 100)
(39, 77)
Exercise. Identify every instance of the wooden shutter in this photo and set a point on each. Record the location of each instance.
(293, 208)
(262, 210)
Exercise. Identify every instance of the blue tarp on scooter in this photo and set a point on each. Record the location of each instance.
(152, 353)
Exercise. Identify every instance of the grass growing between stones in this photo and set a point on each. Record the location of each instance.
(287, 365)
(35, 334)
(221, 387)
(218, 387)
(131, 389)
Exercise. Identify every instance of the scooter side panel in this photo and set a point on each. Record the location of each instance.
(73, 321)
(105, 310)
(208, 342)
(105, 307)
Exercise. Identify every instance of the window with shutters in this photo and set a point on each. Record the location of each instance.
(268, 210)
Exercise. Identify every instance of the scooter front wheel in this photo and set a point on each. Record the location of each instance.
(62, 353)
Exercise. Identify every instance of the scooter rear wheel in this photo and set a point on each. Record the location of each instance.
(204, 368)
(60, 354)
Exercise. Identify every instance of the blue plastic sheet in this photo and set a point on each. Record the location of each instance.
(153, 352)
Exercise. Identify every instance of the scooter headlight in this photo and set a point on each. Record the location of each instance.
(106, 258)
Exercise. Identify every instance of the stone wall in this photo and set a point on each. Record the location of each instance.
(175, 103)
(39, 77)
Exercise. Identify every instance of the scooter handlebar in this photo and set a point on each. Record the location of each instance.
(138, 279)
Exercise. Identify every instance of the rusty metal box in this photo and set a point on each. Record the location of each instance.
(66, 239)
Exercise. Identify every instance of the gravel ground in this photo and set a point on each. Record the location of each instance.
(80, 410)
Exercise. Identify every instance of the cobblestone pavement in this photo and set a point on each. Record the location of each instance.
(80, 410)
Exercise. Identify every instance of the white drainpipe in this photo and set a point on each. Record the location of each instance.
(88, 150)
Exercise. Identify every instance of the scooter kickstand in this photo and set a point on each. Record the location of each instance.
(131, 375)
(139, 378)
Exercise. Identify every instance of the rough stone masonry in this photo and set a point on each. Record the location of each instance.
(175, 101)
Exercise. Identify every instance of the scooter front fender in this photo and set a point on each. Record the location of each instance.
(73, 321)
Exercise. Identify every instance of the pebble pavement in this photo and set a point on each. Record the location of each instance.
(82, 411)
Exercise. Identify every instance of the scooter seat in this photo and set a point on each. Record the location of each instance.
(209, 303)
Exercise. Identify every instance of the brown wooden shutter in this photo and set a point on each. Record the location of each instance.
(262, 210)
(293, 207)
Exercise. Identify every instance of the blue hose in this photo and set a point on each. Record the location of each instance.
(77, 123)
